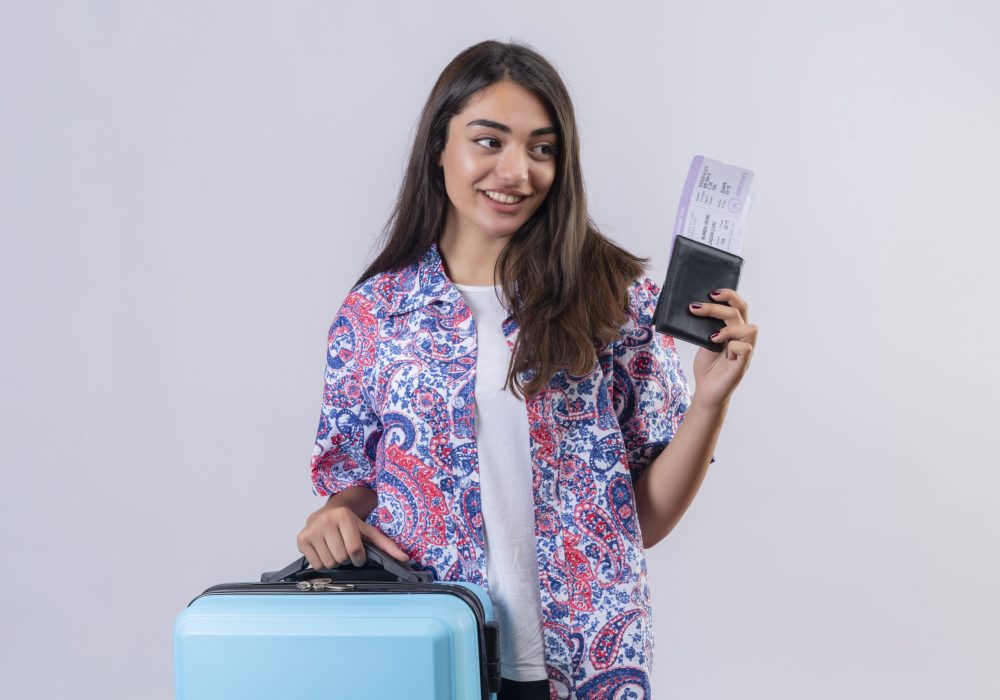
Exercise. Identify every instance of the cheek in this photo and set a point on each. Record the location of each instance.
(545, 180)
(468, 170)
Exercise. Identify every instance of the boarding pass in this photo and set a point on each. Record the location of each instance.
(714, 204)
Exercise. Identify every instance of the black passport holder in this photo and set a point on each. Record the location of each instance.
(695, 270)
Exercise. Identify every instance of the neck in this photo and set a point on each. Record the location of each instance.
(469, 257)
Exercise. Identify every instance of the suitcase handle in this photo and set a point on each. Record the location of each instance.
(299, 569)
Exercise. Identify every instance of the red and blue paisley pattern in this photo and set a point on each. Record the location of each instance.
(398, 417)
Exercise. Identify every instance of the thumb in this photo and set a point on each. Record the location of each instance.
(381, 540)
(739, 351)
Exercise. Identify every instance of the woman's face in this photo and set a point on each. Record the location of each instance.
(503, 143)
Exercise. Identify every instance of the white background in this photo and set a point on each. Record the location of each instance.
(189, 189)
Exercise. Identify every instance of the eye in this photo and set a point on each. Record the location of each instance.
(552, 149)
(486, 138)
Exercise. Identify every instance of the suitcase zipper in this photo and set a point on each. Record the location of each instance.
(323, 584)
(360, 587)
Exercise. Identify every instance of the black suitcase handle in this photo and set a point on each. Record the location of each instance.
(377, 562)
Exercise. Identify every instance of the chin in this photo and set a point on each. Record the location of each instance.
(504, 232)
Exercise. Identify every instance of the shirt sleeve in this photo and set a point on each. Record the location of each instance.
(349, 427)
(651, 390)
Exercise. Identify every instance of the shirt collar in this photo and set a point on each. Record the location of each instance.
(424, 283)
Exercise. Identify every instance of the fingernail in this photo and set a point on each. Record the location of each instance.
(695, 306)
(713, 336)
(716, 292)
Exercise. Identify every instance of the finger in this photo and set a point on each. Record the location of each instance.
(381, 540)
(746, 332)
(729, 314)
(310, 554)
(336, 544)
(729, 296)
(738, 350)
(326, 559)
(352, 544)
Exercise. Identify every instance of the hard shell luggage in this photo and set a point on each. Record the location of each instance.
(380, 631)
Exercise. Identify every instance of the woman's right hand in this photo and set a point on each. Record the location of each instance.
(333, 535)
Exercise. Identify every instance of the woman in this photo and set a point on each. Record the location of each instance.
(498, 406)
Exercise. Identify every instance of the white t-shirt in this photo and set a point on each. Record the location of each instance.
(505, 489)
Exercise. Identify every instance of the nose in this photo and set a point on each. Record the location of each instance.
(512, 166)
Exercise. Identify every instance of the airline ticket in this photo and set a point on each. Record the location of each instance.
(714, 204)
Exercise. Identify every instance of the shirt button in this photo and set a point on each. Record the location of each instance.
(459, 402)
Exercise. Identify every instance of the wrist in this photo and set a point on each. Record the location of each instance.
(708, 408)
(359, 499)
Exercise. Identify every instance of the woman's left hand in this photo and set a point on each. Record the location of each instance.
(718, 373)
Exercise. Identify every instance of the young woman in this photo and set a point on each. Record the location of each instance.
(498, 406)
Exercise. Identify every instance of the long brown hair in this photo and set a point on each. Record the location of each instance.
(571, 279)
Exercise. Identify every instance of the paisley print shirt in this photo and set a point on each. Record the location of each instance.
(399, 416)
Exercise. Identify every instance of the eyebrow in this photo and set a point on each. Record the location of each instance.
(506, 129)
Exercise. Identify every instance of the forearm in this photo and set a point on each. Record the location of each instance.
(668, 485)
(359, 499)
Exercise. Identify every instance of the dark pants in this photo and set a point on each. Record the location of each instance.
(523, 690)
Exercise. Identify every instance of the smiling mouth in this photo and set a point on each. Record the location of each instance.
(503, 198)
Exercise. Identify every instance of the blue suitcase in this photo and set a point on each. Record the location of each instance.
(380, 631)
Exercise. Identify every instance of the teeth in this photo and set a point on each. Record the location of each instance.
(502, 198)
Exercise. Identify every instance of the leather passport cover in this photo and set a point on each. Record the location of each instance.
(695, 269)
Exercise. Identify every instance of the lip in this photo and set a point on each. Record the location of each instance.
(503, 207)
